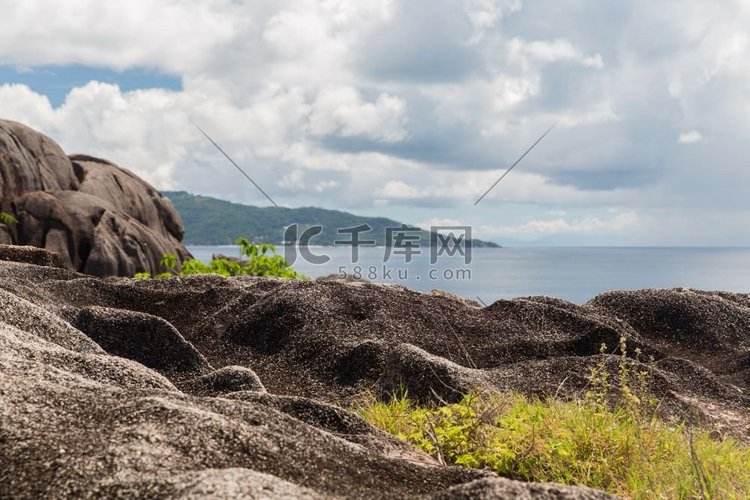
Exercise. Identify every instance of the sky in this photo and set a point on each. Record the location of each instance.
(411, 109)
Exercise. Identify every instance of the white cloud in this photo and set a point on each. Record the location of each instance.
(293, 34)
(427, 187)
(293, 181)
(323, 186)
(690, 137)
(98, 119)
(588, 225)
(484, 14)
(439, 221)
(399, 190)
(553, 51)
(341, 111)
(19, 102)
(441, 225)
(298, 180)
(285, 88)
(172, 35)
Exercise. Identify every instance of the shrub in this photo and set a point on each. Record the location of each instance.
(619, 448)
(261, 260)
(7, 219)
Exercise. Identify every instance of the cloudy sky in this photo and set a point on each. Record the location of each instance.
(411, 108)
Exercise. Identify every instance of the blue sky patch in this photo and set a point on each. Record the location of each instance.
(57, 81)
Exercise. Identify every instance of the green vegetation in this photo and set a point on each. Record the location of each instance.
(7, 219)
(261, 260)
(209, 221)
(610, 440)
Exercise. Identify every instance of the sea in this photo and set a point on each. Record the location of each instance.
(575, 274)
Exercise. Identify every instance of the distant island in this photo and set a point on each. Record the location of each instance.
(210, 221)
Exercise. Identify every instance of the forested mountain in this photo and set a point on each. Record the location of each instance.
(210, 221)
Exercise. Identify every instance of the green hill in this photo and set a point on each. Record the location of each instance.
(210, 221)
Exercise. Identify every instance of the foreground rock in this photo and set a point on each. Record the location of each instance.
(242, 400)
(102, 219)
(31, 255)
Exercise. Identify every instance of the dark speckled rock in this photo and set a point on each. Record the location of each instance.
(31, 255)
(155, 388)
(224, 381)
(142, 337)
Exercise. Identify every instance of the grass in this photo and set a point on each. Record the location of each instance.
(620, 448)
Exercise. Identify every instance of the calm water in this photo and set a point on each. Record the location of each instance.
(574, 274)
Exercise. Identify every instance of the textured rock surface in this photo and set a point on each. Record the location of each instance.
(493, 488)
(224, 381)
(243, 400)
(78, 419)
(31, 255)
(102, 219)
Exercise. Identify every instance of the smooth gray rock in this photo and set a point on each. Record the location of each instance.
(30, 161)
(102, 219)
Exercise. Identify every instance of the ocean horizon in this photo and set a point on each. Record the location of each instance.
(575, 274)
